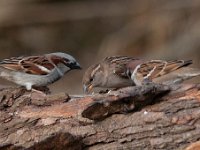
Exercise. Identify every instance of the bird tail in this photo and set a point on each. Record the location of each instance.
(186, 63)
(180, 75)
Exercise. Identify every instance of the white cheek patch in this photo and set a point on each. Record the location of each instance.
(60, 72)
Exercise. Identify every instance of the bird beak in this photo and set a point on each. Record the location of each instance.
(74, 66)
(77, 66)
(87, 89)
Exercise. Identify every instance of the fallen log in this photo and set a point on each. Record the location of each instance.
(147, 117)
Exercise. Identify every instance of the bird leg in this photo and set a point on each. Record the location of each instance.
(38, 93)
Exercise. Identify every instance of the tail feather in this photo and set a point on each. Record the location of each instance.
(179, 75)
(186, 63)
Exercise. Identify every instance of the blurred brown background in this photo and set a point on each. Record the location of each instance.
(93, 29)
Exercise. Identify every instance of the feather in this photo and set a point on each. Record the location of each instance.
(37, 65)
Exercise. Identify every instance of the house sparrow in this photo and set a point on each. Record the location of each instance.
(37, 71)
(122, 71)
(109, 73)
(161, 71)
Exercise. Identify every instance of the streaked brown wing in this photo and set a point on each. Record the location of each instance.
(119, 64)
(38, 65)
(11, 63)
(155, 68)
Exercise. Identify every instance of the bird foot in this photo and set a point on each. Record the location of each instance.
(38, 94)
(104, 91)
(43, 89)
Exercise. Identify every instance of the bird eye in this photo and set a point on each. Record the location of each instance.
(66, 60)
(73, 63)
(91, 79)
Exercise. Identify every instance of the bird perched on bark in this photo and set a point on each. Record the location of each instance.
(37, 71)
(122, 71)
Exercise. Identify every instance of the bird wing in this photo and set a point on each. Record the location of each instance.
(156, 68)
(37, 65)
(118, 63)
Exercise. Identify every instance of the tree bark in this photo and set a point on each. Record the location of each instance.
(147, 117)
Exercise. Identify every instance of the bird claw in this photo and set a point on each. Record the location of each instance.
(45, 90)
(104, 91)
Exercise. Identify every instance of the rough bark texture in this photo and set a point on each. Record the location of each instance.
(147, 117)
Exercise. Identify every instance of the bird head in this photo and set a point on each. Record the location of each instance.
(64, 62)
(93, 77)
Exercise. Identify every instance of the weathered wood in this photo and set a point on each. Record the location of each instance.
(147, 117)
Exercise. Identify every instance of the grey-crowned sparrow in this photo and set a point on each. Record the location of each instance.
(37, 71)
